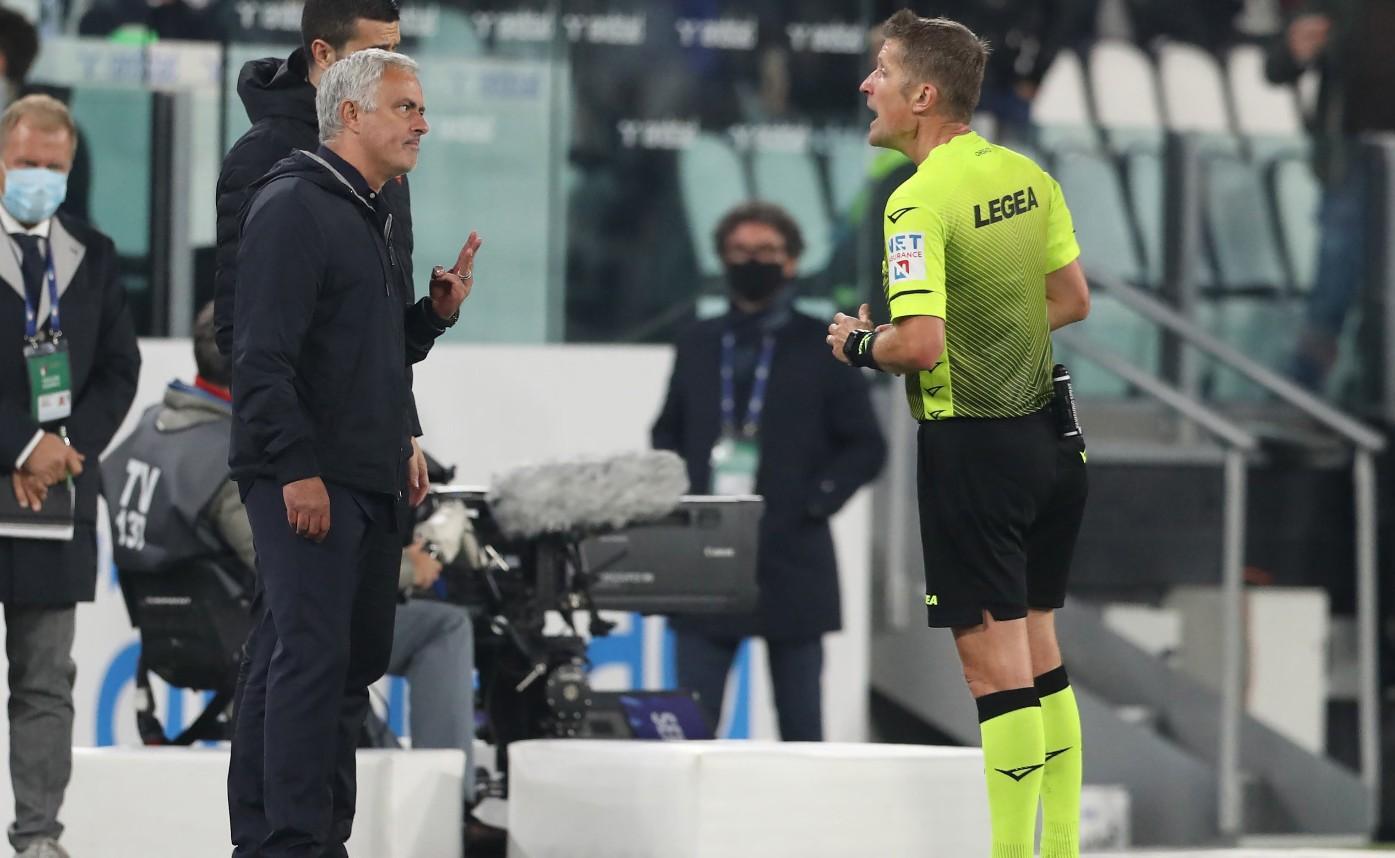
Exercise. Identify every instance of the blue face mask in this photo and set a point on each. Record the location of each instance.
(33, 194)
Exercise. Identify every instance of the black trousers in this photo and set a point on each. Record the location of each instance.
(796, 673)
(323, 634)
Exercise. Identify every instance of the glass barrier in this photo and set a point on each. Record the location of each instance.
(109, 89)
(597, 148)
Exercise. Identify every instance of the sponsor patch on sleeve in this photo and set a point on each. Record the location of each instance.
(905, 256)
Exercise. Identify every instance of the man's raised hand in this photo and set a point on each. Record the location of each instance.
(450, 287)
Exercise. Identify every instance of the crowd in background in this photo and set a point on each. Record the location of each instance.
(621, 196)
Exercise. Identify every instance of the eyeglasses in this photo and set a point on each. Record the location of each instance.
(739, 253)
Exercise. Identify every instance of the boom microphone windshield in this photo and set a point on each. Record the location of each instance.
(586, 496)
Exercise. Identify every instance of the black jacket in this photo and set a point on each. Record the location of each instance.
(1334, 139)
(105, 361)
(819, 443)
(320, 332)
(281, 104)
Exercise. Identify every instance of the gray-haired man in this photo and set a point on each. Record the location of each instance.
(321, 388)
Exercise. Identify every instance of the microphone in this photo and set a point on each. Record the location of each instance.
(587, 496)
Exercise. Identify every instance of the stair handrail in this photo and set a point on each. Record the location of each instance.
(1366, 443)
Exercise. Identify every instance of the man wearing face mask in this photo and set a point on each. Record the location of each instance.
(753, 407)
(68, 371)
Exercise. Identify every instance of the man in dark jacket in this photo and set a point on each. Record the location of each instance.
(280, 99)
(754, 406)
(58, 285)
(1347, 41)
(320, 389)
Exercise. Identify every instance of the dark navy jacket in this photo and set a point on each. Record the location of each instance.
(819, 442)
(321, 335)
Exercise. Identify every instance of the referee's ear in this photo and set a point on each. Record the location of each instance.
(927, 98)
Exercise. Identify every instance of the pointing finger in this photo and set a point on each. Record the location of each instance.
(864, 314)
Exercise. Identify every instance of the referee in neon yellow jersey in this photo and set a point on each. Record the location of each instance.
(981, 265)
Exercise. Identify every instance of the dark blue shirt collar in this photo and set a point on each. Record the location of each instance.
(349, 172)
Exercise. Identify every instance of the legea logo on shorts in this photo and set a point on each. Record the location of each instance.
(905, 256)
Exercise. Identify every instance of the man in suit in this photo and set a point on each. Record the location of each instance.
(754, 406)
(59, 296)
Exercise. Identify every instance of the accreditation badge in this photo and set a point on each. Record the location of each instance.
(734, 465)
(50, 381)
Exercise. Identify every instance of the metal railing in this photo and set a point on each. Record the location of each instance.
(1366, 443)
(1238, 444)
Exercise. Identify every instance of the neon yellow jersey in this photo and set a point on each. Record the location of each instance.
(970, 238)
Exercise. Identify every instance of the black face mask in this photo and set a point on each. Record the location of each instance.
(755, 281)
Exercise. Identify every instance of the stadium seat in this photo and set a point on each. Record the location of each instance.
(1125, 88)
(1115, 327)
(1297, 193)
(1143, 176)
(848, 157)
(1267, 114)
(1093, 191)
(1061, 110)
(986, 124)
(1265, 327)
(791, 180)
(1041, 157)
(1193, 91)
(712, 180)
(1240, 225)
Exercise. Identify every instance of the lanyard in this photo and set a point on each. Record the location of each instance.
(757, 403)
(31, 313)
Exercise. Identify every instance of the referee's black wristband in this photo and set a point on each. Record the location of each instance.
(858, 349)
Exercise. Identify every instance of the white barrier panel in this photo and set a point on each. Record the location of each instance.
(172, 803)
(592, 799)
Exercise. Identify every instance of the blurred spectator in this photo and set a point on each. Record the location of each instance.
(1348, 43)
(19, 47)
(142, 21)
(1209, 23)
(755, 405)
(1024, 36)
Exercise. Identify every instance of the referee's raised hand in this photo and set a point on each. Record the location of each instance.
(450, 287)
(843, 325)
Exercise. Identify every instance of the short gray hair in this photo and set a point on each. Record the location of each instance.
(354, 78)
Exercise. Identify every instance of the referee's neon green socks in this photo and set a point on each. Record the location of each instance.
(1014, 751)
(1060, 784)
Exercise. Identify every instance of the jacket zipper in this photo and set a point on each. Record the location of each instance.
(392, 254)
